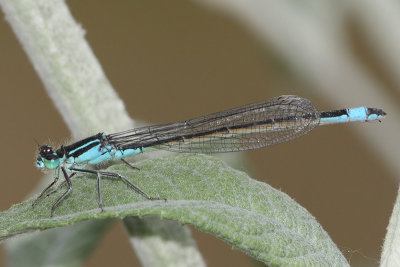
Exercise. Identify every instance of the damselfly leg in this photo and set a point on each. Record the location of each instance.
(65, 194)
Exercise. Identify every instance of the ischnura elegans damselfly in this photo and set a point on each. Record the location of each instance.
(253, 126)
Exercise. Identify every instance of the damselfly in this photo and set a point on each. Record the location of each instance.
(257, 125)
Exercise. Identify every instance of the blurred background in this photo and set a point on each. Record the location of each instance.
(173, 60)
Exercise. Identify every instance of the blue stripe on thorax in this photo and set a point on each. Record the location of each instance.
(84, 146)
(90, 154)
(99, 153)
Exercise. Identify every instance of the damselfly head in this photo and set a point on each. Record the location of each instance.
(47, 158)
(46, 151)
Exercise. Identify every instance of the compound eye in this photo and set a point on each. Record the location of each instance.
(46, 152)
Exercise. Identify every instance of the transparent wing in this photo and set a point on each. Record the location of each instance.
(257, 125)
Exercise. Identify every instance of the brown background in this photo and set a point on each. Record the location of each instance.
(172, 60)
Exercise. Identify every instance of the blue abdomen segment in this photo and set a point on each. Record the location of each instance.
(350, 115)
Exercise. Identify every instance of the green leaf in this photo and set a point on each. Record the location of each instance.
(201, 190)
